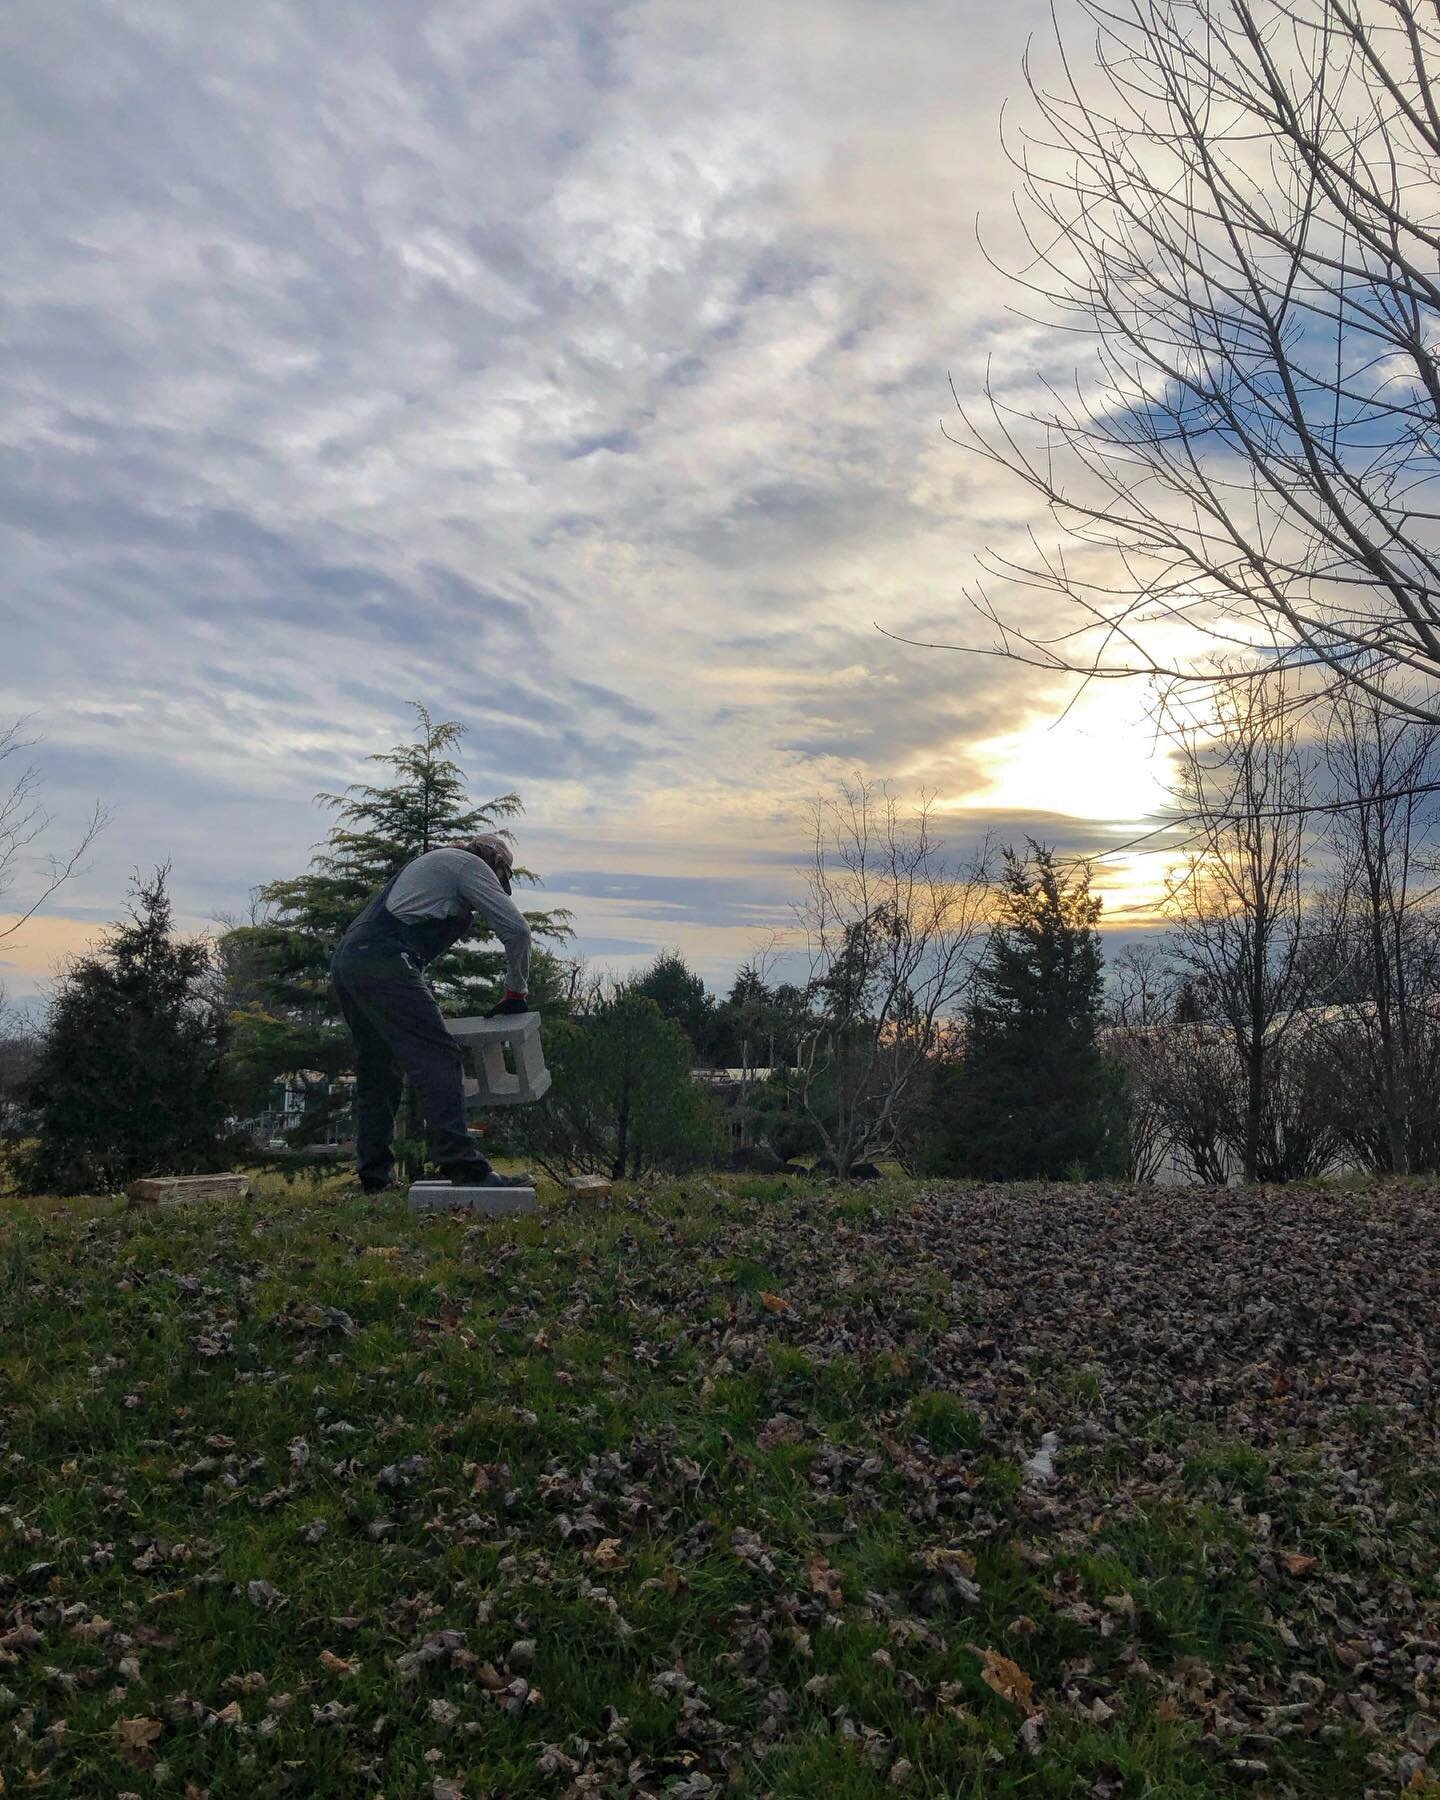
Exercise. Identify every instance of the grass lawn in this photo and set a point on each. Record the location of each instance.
(721, 1488)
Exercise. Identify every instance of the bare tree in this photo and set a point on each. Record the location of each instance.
(1382, 942)
(1143, 986)
(1181, 1082)
(894, 932)
(1137, 1033)
(1238, 903)
(19, 1048)
(24, 820)
(1233, 210)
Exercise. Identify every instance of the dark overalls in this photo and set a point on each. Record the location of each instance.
(399, 1031)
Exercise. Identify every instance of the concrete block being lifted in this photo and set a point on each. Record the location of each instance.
(509, 1062)
(490, 1203)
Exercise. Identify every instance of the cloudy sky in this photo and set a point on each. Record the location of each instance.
(577, 369)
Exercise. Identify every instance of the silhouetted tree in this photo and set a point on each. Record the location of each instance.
(19, 1050)
(128, 1080)
(1377, 937)
(24, 824)
(891, 927)
(1238, 902)
(1032, 1094)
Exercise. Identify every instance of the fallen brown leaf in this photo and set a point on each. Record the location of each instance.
(826, 1582)
(1003, 1677)
(136, 1739)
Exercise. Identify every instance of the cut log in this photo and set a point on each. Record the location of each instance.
(588, 1187)
(187, 1190)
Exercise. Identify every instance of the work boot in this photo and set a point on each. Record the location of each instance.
(481, 1175)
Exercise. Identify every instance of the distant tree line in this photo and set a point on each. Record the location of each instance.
(164, 1052)
(950, 1020)
(953, 1016)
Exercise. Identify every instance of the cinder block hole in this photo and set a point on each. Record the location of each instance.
(501, 1059)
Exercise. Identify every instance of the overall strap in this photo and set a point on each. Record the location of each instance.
(422, 939)
(375, 911)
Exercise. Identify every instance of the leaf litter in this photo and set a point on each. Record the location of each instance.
(1056, 1489)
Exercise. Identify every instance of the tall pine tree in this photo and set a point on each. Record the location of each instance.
(1032, 1096)
(284, 1022)
(128, 1080)
(680, 994)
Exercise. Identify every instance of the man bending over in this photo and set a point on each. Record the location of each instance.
(398, 1028)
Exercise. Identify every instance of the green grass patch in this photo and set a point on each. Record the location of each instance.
(313, 1496)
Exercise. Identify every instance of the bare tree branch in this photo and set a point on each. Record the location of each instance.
(1238, 901)
(894, 933)
(23, 819)
(1235, 211)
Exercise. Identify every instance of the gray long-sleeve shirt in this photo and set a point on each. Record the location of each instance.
(442, 884)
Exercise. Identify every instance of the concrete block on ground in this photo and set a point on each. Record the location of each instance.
(509, 1062)
(186, 1190)
(492, 1203)
(588, 1187)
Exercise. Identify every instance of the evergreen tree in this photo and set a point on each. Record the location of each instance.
(736, 1023)
(749, 988)
(285, 1022)
(680, 995)
(1189, 1003)
(757, 1025)
(1032, 1096)
(128, 1081)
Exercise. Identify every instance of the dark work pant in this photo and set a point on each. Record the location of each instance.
(398, 1031)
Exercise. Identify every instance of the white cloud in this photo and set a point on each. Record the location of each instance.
(575, 368)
